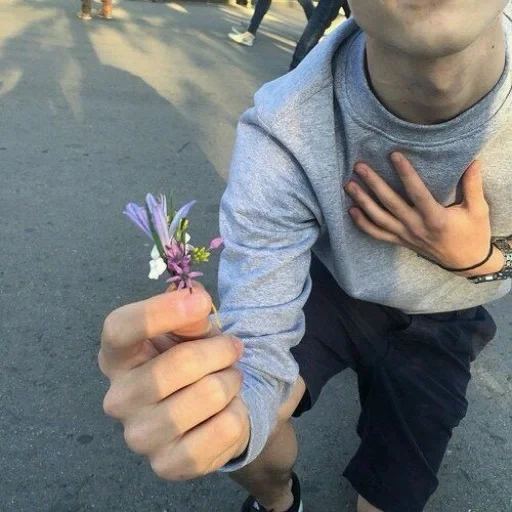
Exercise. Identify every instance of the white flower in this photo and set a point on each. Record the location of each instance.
(157, 265)
(154, 253)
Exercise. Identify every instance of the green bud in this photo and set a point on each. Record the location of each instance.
(200, 255)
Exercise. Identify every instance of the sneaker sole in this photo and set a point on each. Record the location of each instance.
(240, 29)
(232, 37)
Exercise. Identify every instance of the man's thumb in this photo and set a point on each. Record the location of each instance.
(472, 186)
(200, 329)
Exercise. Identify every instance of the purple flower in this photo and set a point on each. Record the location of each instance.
(180, 214)
(179, 265)
(183, 277)
(158, 212)
(155, 225)
(177, 254)
(138, 215)
(172, 251)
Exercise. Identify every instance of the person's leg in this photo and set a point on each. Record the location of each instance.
(308, 7)
(268, 477)
(85, 9)
(325, 12)
(106, 9)
(411, 400)
(346, 8)
(340, 332)
(262, 7)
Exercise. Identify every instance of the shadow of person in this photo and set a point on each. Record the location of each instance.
(82, 139)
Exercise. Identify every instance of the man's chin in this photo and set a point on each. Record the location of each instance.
(432, 47)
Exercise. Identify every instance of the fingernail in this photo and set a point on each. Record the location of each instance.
(362, 171)
(396, 157)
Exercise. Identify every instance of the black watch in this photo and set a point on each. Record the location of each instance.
(506, 272)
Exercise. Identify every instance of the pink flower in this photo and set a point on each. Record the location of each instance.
(216, 243)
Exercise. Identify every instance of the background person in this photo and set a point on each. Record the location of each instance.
(325, 13)
(262, 6)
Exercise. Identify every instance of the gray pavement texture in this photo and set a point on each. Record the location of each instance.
(94, 115)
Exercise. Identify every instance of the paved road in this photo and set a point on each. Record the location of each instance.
(92, 116)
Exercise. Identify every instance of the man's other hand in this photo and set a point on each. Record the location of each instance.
(455, 237)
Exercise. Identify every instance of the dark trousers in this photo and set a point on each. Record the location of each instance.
(413, 372)
(262, 7)
(325, 12)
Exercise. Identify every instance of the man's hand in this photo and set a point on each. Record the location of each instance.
(457, 236)
(178, 402)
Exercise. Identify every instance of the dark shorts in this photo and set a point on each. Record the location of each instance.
(413, 372)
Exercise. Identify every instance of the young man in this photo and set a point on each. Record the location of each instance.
(311, 174)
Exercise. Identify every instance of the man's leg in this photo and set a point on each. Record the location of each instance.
(106, 9)
(308, 7)
(411, 400)
(268, 477)
(85, 9)
(346, 8)
(262, 7)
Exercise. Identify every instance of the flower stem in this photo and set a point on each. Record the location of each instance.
(216, 314)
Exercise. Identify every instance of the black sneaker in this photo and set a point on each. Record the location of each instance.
(251, 505)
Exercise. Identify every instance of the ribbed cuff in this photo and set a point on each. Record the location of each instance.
(263, 403)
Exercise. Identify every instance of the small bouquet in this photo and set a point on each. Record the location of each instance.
(172, 251)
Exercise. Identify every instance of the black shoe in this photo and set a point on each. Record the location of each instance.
(251, 505)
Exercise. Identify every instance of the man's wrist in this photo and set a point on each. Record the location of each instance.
(495, 263)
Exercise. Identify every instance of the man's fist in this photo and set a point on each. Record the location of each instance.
(178, 402)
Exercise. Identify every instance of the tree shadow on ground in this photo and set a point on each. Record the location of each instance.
(83, 138)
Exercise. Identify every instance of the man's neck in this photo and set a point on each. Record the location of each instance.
(431, 91)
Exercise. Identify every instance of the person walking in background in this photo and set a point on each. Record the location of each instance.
(105, 12)
(324, 14)
(262, 6)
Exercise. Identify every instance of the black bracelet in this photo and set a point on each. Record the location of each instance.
(488, 257)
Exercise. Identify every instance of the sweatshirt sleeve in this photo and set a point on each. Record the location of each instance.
(269, 219)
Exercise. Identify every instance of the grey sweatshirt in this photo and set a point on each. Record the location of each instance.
(295, 150)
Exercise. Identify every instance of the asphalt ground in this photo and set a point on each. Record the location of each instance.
(93, 115)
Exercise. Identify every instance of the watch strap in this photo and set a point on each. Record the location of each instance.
(506, 272)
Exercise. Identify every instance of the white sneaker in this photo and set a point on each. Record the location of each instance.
(86, 16)
(240, 29)
(247, 39)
